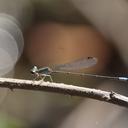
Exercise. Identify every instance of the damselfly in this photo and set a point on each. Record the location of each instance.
(42, 73)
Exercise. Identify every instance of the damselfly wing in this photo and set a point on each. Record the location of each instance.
(78, 64)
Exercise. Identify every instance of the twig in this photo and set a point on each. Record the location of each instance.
(61, 88)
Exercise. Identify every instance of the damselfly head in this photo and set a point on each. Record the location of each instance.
(34, 70)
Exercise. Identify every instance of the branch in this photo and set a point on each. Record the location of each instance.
(61, 88)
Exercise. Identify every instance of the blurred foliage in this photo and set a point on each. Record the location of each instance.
(10, 122)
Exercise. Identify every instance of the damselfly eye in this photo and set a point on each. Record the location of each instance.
(34, 70)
